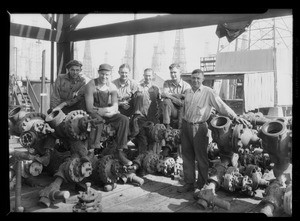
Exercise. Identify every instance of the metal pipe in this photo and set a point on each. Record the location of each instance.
(18, 207)
(43, 80)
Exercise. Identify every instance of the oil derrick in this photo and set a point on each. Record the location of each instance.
(159, 56)
(128, 57)
(87, 61)
(179, 50)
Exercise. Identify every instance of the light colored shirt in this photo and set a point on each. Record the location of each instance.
(67, 89)
(126, 90)
(152, 91)
(170, 87)
(197, 105)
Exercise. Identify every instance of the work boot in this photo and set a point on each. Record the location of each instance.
(186, 188)
(196, 193)
(123, 159)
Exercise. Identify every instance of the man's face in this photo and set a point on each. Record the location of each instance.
(148, 76)
(74, 71)
(175, 74)
(104, 76)
(124, 72)
(197, 80)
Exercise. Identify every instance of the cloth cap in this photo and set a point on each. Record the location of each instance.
(73, 63)
(106, 67)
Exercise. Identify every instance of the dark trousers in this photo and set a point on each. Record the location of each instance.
(194, 141)
(121, 124)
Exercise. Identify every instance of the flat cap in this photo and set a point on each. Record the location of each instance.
(73, 63)
(106, 67)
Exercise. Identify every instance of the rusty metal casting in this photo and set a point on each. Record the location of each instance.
(206, 198)
(287, 200)
(273, 199)
(277, 142)
(76, 169)
(166, 166)
(88, 201)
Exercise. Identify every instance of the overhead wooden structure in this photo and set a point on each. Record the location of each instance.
(63, 28)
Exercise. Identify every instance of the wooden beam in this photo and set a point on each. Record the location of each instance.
(166, 23)
(73, 22)
(27, 31)
(50, 19)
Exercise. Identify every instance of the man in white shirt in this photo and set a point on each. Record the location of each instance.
(198, 103)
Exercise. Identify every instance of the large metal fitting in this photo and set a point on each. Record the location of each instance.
(23, 121)
(287, 200)
(76, 124)
(104, 174)
(89, 201)
(158, 132)
(16, 114)
(206, 198)
(166, 166)
(277, 142)
(31, 168)
(150, 162)
(222, 133)
(76, 170)
(273, 198)
(55, 118)
(216, 173)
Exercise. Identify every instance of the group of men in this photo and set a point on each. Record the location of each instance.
(123, 99)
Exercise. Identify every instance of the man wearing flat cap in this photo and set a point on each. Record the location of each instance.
(101, 100)
(68, 90)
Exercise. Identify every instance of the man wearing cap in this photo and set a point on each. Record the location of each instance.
(68, 90)
(126, 90)
(101, 100)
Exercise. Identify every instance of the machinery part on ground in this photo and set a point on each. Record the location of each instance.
(110, 187)
(166, 166)
(277, 142)
(254, 172)
(235, 181)
(76, 169)
(76, 124)
(104, 172)
(55, 118)
(21, 120)
(230, 138)
(132, 178)
(150, 162)
(31, 168)
(273, 199)
(206, 197)
(89, 201)
(52, 192)
(216, 174)
(287, 200)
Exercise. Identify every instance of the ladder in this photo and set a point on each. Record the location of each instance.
(22, 98)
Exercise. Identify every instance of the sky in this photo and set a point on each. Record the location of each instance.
(198, 42)
(194, 41)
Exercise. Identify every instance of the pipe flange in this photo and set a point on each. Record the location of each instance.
(104, 171)
(72, 121)
(55, 118)
(30, 119)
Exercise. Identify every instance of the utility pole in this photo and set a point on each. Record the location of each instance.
(134, 55)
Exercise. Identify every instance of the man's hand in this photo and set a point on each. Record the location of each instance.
(243, 121)
(124, 104)
(59, 107)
